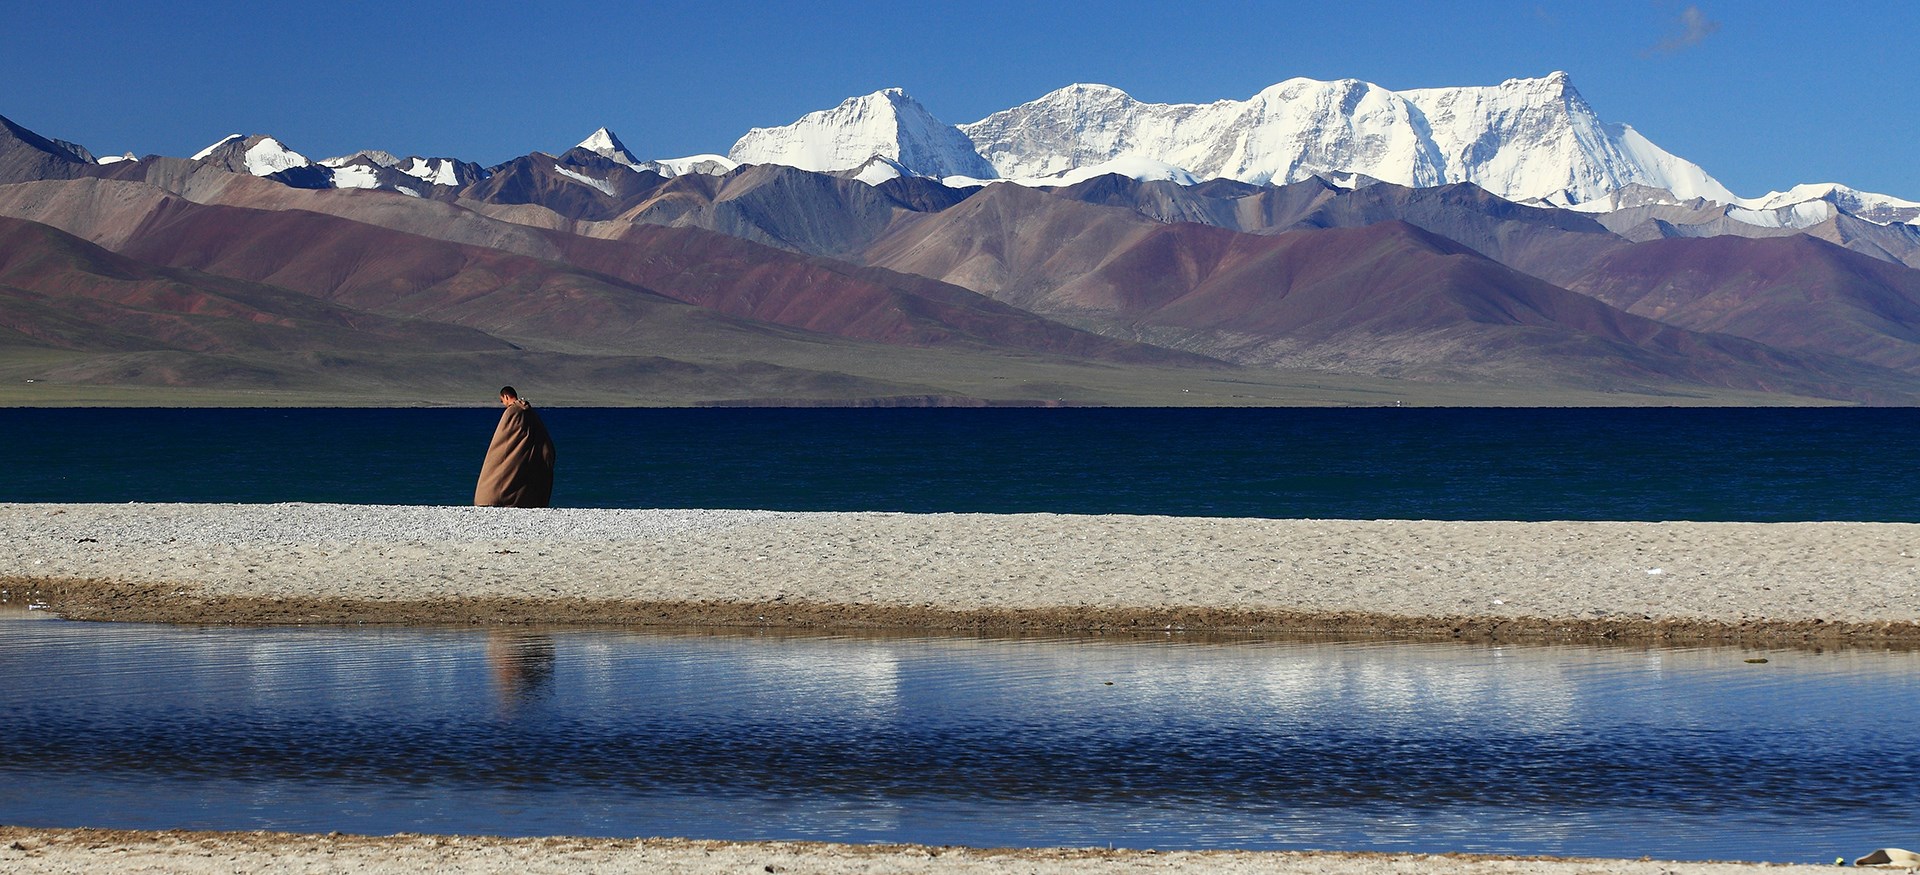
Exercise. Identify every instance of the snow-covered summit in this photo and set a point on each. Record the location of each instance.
(1877, 208)
(1524, 139)
(886, 123)
(604, 143)
(258, 155)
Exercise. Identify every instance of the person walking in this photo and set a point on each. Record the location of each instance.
(518, 471)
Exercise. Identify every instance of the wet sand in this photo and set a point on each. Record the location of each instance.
(1812, 584)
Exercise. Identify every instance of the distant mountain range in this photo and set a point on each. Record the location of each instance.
(1321, 242)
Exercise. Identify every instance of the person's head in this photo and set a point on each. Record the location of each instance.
(507, 395)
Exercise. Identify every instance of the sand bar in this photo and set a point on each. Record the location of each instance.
(304, 563)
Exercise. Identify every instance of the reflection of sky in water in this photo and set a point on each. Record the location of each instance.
(1141, 742)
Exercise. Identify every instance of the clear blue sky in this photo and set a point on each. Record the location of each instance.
(1763, 94)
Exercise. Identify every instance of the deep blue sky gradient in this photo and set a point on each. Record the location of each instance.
(1764, 94)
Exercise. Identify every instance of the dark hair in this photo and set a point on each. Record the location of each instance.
(507, 392)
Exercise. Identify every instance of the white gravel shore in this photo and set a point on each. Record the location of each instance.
(1712, 573)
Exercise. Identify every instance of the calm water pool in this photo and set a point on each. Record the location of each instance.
(1164, 743)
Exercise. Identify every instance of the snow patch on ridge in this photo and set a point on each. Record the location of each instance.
(707, 164)
(1130, 166)
(203, 153)
(442, 172)
(355, 176)
(600, 184)
(376, 156)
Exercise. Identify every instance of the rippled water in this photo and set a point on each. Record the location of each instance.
(1137, 743)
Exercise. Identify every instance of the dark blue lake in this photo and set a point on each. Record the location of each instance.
(1576, 464)
(1149, 742)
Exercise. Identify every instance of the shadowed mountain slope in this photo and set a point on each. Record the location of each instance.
(26, 156)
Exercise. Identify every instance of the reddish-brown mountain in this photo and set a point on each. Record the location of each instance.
(1794, 292)
(1387, 298)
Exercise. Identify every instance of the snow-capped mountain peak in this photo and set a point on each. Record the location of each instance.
(1524, 139)
(604, 143)
(887, 123)
(1877, 208)
(258, 155)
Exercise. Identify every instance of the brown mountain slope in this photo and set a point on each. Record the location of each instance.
(1551, 244)
(814, 213)
(1790, 292)
(582, 187)
(67, 293)
(1386, 299)
(588, 290)
(74, 314)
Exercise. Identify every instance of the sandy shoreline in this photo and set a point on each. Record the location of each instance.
(36, 851)
(309, 563)
(1815, 584)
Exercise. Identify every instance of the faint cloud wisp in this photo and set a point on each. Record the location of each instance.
(1694, 27)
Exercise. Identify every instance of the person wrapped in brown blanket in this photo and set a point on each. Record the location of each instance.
(518, 471)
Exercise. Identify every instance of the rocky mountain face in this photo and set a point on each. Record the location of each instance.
(26, 156)
(879, 273)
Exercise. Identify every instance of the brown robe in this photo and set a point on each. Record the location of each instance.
(518, 471)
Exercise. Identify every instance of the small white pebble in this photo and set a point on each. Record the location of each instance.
(1655, 571)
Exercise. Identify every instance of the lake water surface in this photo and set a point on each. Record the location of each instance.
(1576, 464)
(1165, 743)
